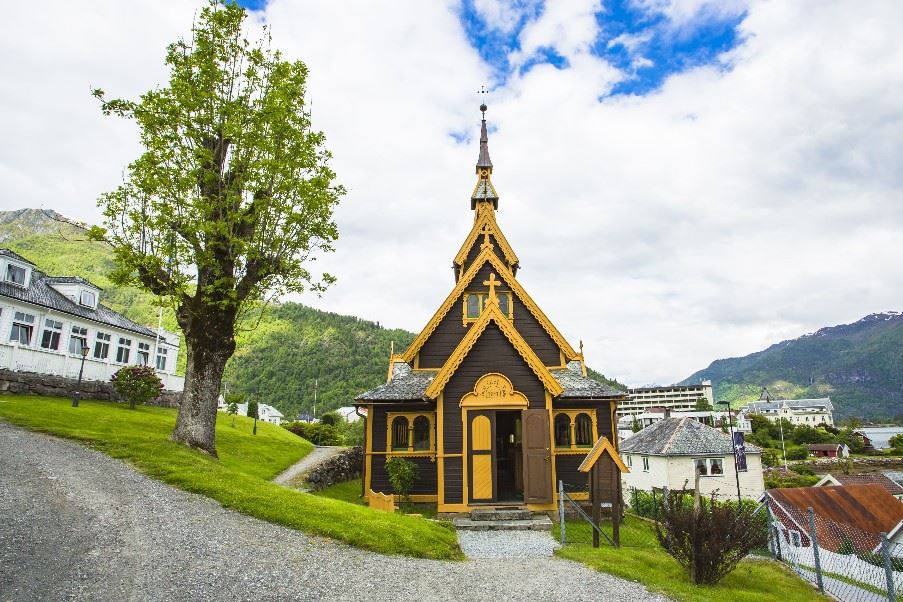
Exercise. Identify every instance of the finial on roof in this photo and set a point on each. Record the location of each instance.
(484, 190)
(483, 162)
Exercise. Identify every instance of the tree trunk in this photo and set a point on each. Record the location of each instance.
(209, 343)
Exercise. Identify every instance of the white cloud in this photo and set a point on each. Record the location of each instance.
(724, 212)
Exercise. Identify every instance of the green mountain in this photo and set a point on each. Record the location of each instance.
(859, 365)
(293, 352)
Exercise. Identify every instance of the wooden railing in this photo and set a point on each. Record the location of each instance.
(381, 501)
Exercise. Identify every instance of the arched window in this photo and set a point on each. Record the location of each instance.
(421, 433)
(400, 433)
(562, 430)
(583, 430)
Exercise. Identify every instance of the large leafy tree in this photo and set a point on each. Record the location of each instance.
(230, 200)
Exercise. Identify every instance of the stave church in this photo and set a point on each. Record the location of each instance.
(490, 401)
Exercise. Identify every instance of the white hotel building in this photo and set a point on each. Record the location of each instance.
(46, 320)
(677, 398)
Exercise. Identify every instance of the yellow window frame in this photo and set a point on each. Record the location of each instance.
(484, 297)
(572, 415)
(410, 416)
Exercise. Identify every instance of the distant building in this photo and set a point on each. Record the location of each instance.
(709, 418)
(349, 413)
(829, 450)
(877, 438)
(46, 321)
(670, 452)
(877, 478)
(811, 412)
(672, 397)
(265, 413)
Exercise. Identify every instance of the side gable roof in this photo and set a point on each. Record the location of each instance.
(492, 313)
(486, 216)
(603, 445)
(487, 255)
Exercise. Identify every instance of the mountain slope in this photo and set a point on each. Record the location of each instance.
(860, 365)
(292, 348)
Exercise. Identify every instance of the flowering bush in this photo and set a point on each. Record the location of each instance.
(137, 384)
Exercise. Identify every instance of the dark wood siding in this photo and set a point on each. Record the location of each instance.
(566, 470)
(426, 476)
(476, 248)
(532, 332)
(454, 475)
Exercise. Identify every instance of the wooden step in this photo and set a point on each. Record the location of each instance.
(534, 523)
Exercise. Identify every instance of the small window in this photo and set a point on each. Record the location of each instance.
(645, 464)
(475, 303)
(78, 339)
(50, 339)
(23, 326)
(400, 433)
(421, 433)
(505, 304)
(562, 430)
(15, 274)
(143, 353)
(629, 461)
(701, 468)
(88, 298)
(102, 346)
(583, 431)
(715, 468)
(123, 350)
(161, 358)
(474, 306)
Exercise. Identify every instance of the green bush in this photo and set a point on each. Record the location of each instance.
(316, 433)
(402, 476)
(797, 453)
(137, 384)
(330, 418)
(645, 503)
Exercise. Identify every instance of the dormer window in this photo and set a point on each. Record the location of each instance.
(16, 274)
(88, 299)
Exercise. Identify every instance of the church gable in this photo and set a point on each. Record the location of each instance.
(485, 234)
(448, 326)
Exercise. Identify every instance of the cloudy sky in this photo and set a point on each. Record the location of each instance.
(683, 180)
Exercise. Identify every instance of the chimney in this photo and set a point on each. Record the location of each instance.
(667, 412)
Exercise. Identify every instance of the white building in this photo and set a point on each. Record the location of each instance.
(673, 397)
(349, 413)
(265, 413)
(671, 451)
(710, 418)
(45, 321)
(811, 412)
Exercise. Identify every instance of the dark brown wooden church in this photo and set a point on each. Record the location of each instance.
(490, 401)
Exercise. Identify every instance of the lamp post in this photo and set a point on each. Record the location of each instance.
(78, 389)
(730, 422)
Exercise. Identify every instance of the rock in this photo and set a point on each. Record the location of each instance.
(337, 469)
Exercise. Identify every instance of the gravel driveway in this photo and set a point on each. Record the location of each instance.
(78, 525)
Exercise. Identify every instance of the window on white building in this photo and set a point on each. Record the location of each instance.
(629, 461)
(702, 467)
(15, 274)
(715, 467)
(102, 346)
(88, 298)
(143, 353)
(123, 350)
(78, 339)
(50, 339)
(23, 326)
(709, 466)
(161, 358)
(645, 464)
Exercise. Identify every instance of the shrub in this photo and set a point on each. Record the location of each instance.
(319, 434)
(402, 476)
(330, 418)
(645, 503)
(797, 453)
(137, 384)
(710, 540)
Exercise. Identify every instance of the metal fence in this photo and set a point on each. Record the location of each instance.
(843, 561)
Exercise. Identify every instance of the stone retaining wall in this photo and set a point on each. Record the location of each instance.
(337, 469)
(24, 383)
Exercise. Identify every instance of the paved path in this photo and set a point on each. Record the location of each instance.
(293, 476)
(78, 525)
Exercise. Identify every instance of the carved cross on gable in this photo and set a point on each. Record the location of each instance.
(486, 230)
(492, 283)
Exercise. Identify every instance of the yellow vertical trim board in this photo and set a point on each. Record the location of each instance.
(487, 256)
(440, 443)
(552, 448)
(492, 314)
(369, 457)
(465, 454)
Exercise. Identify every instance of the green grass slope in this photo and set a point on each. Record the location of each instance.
(859, 365)
(239, 479)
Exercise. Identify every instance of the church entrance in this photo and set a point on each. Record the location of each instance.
(496, 457)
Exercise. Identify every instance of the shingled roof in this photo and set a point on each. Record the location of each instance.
(40, 293)
(681, 437)
(405, 385)
(578, 386)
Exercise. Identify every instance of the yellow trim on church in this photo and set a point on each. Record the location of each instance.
(487, 255)
(485, 218)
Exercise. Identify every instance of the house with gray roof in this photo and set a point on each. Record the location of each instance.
(811, 412)
(46, 321)
(672, 451)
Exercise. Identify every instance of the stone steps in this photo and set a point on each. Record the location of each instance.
(490, 514)
(503, 519)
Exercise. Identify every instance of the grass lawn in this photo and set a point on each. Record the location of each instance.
(239, 480)
(350, 491)
(641, 559)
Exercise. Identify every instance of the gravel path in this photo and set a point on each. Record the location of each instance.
(294, 474)
(507, 544)
(78, 525)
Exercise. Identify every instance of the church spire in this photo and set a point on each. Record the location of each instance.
(484, 191)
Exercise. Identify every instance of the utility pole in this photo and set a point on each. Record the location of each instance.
(730, 421)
